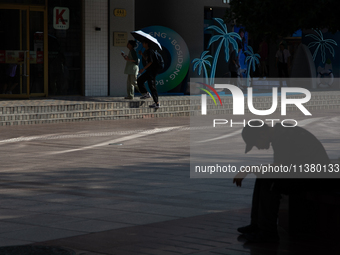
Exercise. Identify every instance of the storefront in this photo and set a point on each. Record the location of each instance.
(68, 47)
(40, 48)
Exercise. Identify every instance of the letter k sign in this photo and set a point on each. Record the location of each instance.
(61, 18)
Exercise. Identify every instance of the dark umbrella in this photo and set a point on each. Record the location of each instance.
(142, 36)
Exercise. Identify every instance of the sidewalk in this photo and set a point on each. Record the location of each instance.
(112, 208)
(209, 234)
(200, 235)
(78, 108)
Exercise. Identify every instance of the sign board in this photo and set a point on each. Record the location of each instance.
(175, 54)
(36, 57)
(38, 41)
(61, 18)
(120, 39)
(119, 12)
(15, 57)
(18, 57)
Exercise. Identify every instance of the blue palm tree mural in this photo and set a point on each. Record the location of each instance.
(201, 63)
(321, 44)
(225, 39)
(252, 59)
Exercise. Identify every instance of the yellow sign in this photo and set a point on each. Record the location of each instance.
(120, 39)
(119, 12)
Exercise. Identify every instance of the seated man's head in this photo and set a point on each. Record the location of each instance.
(257, 134)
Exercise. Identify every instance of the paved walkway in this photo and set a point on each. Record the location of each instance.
(64, 100)
(80, 109)
(210, 234)
(50, 192)
(118, 209)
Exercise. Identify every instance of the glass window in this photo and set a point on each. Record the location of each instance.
(13, 52)
(64, 46)
(36, 30)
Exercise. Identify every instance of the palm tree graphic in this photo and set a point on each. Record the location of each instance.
(226, 39)
(322, 44)
(252, 59)
(201, 63)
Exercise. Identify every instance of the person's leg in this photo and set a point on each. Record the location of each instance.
(141, 83)
(279, 68)
(285, 70)
(255, 203)
(268, 206)
(233, 74)
(134, 82)
(152, 87)
(264, 68)
(254, 215)
(265, 207)
(129, 87)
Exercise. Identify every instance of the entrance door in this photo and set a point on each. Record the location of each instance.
(22, 51)
(38, 77)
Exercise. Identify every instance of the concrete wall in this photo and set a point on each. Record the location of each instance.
(186, 17)
(117, 63)
(96, 47)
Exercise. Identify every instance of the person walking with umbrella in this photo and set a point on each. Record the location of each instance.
(149, 72)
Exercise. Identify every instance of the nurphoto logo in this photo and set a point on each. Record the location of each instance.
(239, 102)
(204, 97)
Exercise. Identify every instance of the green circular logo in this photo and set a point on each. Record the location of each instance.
(175, 54)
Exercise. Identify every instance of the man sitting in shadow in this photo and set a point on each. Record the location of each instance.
(291, 145)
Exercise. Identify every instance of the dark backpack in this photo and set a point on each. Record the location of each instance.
(159, 62)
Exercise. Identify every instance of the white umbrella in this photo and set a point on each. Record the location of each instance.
(141, 36)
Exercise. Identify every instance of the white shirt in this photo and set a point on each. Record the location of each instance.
(286, 55)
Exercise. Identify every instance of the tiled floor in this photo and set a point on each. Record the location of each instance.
(202, 235)
(102, 201)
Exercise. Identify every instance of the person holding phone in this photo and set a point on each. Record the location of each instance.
(131, 69)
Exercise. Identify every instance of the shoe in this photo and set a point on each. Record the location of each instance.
(146, 96)
(156, 106)
(262, 237)
(248, 229)
(128, 97)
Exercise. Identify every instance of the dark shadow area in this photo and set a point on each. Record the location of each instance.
(213, 233)
(36, 250)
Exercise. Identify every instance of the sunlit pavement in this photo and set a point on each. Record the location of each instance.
(114, 187)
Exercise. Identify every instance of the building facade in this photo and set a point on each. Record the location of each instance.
(62, 47)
